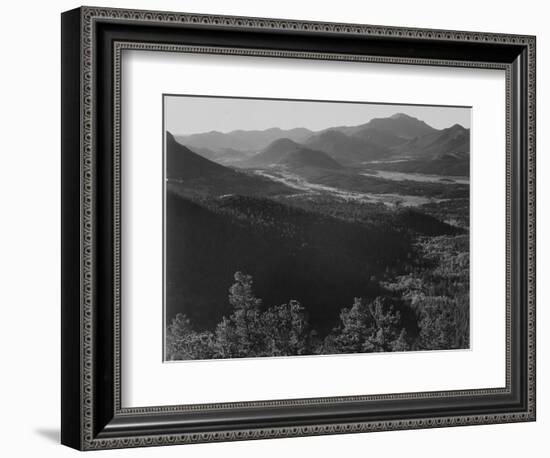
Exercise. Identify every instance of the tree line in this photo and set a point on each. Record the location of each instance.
(377, 325)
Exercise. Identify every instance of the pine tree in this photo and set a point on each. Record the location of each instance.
(178, 329)
(226, 341)
(438, 324)
(182, 342)
(286, 330)
(246, 316)
(368, 327)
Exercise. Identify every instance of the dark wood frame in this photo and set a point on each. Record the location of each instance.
(92, 42)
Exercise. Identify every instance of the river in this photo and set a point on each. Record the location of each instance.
(301, 184)
(424, 178)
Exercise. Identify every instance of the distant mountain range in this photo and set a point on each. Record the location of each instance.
(397, 136)
(242, 140)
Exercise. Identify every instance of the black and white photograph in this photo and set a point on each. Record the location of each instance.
(304, 227)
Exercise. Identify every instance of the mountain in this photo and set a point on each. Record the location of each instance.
(213, 140)
(260, 139)
(287, 152)
(378, 137)
(187, 172)
(273, 153)
(224, 156)
(345, 149)
(454, 139)
(401, 125)
(184, 164)
(242, 140)
(304, 157)
(204, 152)
(278, 149)
(372, 135)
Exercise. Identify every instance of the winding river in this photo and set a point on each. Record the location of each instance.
(301, 184)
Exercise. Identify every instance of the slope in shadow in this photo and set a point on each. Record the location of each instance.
(291, 253)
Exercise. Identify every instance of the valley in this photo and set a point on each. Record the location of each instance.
(312, 190)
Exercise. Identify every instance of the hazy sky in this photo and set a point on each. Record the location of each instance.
(190, 114)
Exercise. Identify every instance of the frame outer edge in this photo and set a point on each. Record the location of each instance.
(88, 16)
(87, 209)
(71, 325)
(532, 227)
(262, 23)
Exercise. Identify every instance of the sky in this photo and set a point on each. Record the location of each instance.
(185, 115)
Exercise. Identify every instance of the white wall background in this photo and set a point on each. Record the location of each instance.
(30, 229)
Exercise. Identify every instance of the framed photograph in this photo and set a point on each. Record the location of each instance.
(276, 228)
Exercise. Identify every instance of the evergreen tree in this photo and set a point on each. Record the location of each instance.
(368, 327)
(182, 342)
(356, 328)
(387, 322)
(226, 341)
(443, 324)
(246, 316)
(176, 332)
(286, 330)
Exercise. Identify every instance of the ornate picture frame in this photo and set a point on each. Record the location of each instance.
(93, 416)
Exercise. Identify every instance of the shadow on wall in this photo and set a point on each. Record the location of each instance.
(52, 435)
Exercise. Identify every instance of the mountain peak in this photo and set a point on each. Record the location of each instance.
(282, 144)
(456, 131)
(457, 126)
(402, 116)
(401, 125)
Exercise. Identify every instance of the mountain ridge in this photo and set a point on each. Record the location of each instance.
(240, 139)
(454, 139)
(399, 135)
